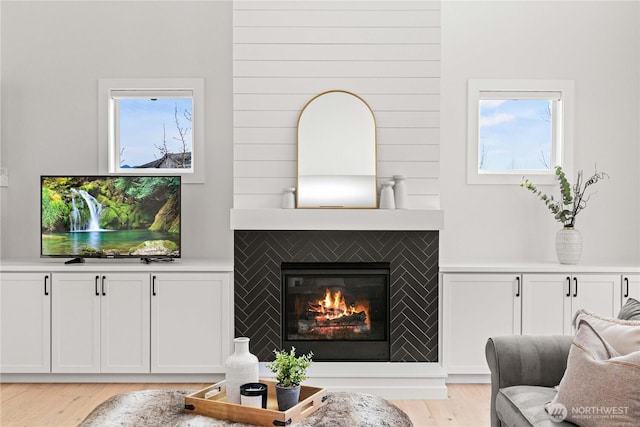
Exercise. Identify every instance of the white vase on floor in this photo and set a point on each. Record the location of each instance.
(242, 368)
(568, 245)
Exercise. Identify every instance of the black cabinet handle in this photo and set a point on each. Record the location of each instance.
(103, 292)
(97, 292)
(518, 290)
(153, 286)
(568, 286)
(575, 289)
(46, 279)
(626, 282)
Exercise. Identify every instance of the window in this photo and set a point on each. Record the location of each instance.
(152, 126)
(518, 127)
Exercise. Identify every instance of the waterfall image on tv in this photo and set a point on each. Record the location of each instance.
(110, 216)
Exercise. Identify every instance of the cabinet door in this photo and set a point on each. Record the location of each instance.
(75, 323)
(630, 287)
(550, 301)
(598, 293)
(125, 323)
(546, 304)
(476, 307)
(190, 322)
(25, 319)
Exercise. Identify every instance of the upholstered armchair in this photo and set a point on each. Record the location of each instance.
(524, 371)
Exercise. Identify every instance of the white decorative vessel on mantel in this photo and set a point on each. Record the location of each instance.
(400, 191)
(387, 200)
(568, 245)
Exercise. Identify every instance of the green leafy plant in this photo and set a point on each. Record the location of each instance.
(290, 370)
(573, 198)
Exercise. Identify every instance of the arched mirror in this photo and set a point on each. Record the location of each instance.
(337, 152)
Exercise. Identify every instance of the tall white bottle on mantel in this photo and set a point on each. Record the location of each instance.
(242, 368)
(400, 191)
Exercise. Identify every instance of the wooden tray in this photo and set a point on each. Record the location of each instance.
(311, 399)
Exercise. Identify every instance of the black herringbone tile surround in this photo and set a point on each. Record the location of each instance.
(413, 258)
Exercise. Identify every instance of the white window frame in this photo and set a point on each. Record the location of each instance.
(109, 151)
(562, 121)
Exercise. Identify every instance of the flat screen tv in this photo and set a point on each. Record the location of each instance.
(110, 217)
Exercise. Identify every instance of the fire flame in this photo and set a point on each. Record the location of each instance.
(334, 306)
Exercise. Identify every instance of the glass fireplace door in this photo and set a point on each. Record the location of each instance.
(339, 311)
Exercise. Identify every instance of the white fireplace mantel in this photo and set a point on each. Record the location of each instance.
(337, 219)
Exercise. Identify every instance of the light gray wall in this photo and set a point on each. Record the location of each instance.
(53, 54)
(2, 190)
(597, 45)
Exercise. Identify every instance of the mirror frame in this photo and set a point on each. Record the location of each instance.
(375, 143)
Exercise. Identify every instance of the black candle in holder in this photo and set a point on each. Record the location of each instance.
(254, 394)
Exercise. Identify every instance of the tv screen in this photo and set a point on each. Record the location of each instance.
(110, 216)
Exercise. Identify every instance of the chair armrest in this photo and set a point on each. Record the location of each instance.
(525, 360)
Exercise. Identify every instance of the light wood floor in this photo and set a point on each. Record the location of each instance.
(62, 405)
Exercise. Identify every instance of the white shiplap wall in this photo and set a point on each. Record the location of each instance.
(286, 52)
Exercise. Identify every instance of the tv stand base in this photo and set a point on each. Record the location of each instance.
(77, 260)
(149, 260)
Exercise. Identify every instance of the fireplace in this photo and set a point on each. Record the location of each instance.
(339, 311)
(412, 259)
(411, 256)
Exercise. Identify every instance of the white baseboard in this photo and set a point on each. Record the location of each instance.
(390, 380)
(469, 379)
(111, 378)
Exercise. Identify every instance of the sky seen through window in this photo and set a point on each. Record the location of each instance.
(141, 128)
(515, 135)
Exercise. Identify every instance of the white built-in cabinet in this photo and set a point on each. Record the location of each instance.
(25, 322)
(550, 301)
(189, 316)
(171, 321)
(100, 323)
(630, 287)
(478, 305)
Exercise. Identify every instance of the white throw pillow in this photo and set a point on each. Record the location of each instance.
(622, 335)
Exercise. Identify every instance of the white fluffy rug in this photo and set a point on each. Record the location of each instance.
(165, 408)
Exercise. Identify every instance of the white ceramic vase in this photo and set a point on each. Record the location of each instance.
(241, 368)
(387, 200)
(400, 191)
(568, 245)
(288, 198)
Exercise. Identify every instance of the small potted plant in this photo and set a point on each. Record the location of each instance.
(573, 200)
(290, 371)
